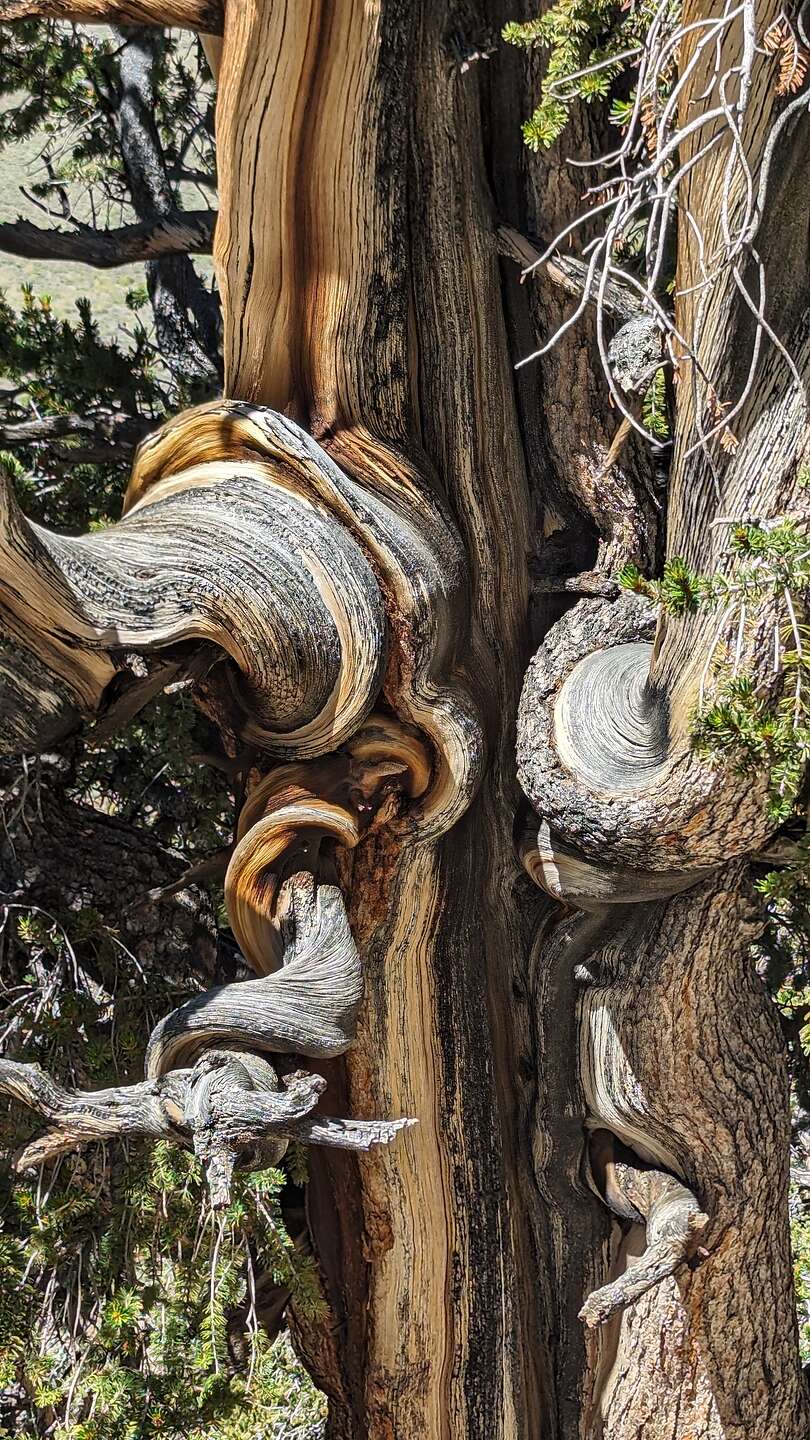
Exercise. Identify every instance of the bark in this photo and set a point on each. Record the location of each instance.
(375, 446)
(681, 1055)
(182, 233)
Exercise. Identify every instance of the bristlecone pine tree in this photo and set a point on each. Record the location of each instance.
(497, 900)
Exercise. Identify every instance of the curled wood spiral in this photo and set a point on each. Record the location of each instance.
(320, 593)
(240, 530)
(287, 909)
(605, 770)
(222, 553)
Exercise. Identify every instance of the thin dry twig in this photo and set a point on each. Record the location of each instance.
(645, 175)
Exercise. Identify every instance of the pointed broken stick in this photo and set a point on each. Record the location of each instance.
(231, 1108)
(637, 1192)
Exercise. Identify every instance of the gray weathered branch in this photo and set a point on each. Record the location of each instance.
(568, 272)
(231, 1108)
(637, 1192)
(179, 233)
(153, 1108)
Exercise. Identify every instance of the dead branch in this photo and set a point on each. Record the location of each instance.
(639, 1193)
(205, 16)
(153, 1108)
(183, 233)
(567, 271)
(664, 146)
(231, 1109)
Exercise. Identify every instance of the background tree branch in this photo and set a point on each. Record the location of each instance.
(179, 233)
(186, 313)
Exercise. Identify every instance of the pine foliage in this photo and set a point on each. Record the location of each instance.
(125, 1304)
(580, 35)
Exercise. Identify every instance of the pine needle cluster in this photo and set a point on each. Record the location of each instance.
(578, 36)
(126, 1306)
(754, 725)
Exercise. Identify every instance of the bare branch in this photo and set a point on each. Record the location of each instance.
(660, 149)
(205, 16)
(110, 435)
(183, 233)
(153, 1108)
(567, 271)
(231, 1108)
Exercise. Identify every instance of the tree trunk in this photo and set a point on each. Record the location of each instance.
(363, 173)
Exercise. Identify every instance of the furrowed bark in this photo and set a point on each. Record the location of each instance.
(374, 444)
(680, 1053)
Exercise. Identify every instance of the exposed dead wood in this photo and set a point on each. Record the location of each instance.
(643, 1194)
(567, 271)
(231, 1108)
(362, 297)
(72, 605)
(203, 15)
(290, 918)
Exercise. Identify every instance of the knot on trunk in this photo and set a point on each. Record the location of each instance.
(608, 768)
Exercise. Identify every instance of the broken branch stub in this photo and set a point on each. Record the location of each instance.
(289, 915)
(640, 1193)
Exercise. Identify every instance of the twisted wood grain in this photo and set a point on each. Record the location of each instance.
(409, 541)
(288, 911)
(225, 553)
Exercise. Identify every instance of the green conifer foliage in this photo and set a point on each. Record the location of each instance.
(581, 35)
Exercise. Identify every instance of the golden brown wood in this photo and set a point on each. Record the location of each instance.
(369, 390)
(202, 15)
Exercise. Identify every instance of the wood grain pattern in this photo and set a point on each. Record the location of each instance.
(350, 159)
(202, 15)
(371, 410)
(293, 602)
(680, 1055)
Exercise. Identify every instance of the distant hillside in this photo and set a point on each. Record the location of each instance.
(65, 282)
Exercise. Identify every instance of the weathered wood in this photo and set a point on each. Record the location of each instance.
(202, 15)
(303, 621)
(644, 1195)
(683, 1060)
(368, 385)
(352, 158)
(231, 1107)
(681, 1056)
